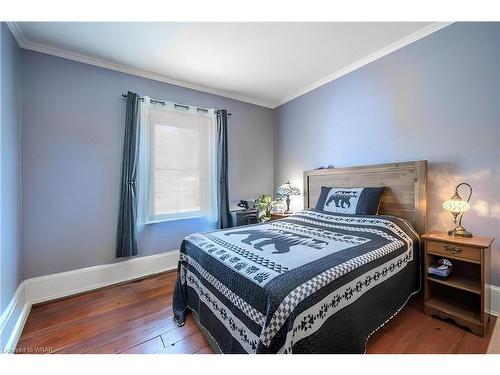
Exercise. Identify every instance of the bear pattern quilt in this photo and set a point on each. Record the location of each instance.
(314, 282)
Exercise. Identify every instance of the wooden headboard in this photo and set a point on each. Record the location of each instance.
(405, 195)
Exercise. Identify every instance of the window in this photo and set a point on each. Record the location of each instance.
(180, 162)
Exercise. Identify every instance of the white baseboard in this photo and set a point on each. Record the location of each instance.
(46, 288)
(495, 299)
(12, 320)
(58, 285)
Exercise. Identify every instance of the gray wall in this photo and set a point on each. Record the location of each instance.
(72, 134)
(436, 99)
(10, 168)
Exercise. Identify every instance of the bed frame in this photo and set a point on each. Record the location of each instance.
(405, 195)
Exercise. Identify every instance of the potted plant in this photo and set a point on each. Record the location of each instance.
(264, 206)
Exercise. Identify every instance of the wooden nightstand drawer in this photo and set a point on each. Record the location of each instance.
(454, 251)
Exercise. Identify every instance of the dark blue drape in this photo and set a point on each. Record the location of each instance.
(224, 217)
(127, 220)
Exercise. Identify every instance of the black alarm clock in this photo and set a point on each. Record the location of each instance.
(243, 204)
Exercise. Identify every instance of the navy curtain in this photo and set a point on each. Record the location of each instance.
(127, 220)
(224, 218)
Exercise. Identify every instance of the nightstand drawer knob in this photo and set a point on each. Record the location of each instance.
(452, 249)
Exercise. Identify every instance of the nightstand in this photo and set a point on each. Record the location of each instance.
(276, 216)
(463, 296)
(244, 217)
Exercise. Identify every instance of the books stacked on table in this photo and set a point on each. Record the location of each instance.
(441, 269)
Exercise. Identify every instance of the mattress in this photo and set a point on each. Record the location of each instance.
(314, 282)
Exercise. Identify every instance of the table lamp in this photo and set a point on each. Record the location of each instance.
(287, 189)
(457, 206)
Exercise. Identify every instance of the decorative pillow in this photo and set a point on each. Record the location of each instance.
(361, 201)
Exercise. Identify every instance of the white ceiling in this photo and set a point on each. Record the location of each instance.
(262, 63)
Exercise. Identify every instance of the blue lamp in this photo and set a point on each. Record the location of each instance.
(286, 190)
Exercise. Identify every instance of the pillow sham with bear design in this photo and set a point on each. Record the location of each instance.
(360, 201)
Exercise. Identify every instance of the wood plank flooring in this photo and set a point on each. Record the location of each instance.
(136, 317)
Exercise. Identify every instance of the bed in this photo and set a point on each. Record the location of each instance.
(314, 282)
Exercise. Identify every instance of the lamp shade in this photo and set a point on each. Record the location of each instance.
(287, 189)
(456, 204)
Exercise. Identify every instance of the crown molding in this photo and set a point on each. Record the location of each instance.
(42, 48)
(38, 47)
(432, 28)
(17, 33)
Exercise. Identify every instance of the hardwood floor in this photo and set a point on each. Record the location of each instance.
(137, 318)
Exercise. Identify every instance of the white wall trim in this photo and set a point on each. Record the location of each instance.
(495, 299)
(432, 28)
(21, 316)
(63, 284)
(38, 47)
(9, 310)
(43, 48)
(49, 287)
(16, 31)
(12, 320)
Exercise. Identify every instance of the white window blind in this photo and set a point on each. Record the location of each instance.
(179, 163)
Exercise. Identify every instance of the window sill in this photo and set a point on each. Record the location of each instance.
(190, 217)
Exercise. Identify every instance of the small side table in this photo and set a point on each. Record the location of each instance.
(245, 217)
(463, 295)
(276, 216)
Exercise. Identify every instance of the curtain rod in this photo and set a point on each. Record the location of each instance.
(177, 105)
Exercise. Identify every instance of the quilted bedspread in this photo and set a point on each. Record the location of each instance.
(313, 282)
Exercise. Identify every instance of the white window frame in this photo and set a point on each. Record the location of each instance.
(147, 163)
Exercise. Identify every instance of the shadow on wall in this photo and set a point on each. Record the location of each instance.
(483, 218)
(485, 201)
